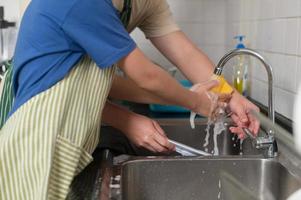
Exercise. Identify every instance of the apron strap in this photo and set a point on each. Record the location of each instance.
(125, 14)
(7, 96)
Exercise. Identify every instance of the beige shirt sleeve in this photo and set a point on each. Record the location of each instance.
(159, 20)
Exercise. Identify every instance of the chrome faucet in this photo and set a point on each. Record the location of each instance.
(267, 142)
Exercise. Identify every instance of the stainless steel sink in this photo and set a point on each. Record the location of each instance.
(229, 176)
(206, 178)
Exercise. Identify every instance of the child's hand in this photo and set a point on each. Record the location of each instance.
(241, 107)
(147, 133)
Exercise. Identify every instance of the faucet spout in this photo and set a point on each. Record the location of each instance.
(267, 142)
(220, 66)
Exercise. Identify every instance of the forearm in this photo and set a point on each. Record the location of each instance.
(155, 80)
(117, 117)
(125, 89)
(192, 62)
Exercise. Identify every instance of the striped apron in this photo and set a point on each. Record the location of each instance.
(46, 142)
(6, 93)
(50, 138)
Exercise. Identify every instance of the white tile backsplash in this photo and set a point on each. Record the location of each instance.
(268, 35)
(254, 7)
(182, 10)
(288, 8)
(214, 33)
(292, 36)
(259, 91)
(278, 39)
(236, 12)
(11, 9)
(286, 73)
(299, 39)
(266, 9)
(284, 102)
(298, 74)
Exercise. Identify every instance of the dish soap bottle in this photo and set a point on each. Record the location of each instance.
(240, 77)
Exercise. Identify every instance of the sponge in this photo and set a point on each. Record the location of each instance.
(223, 87)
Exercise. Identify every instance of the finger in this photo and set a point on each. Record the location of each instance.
(149, 147)
(158, 147)
(224, 97)
(254, 124)
(211, 84)
(195, 87)
(236, 120)
(159, 129)
(241, 113)
(238, 131)
(255, 121)
(163, 141)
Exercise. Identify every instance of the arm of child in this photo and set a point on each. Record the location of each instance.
(197, 67)
(140, 130)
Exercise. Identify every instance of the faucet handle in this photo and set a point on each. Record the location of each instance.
(266, 142)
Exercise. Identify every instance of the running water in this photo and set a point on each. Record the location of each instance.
(216, 119)
(219, 127)
(207, 136)
(240, 147)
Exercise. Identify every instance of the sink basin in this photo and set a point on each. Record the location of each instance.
(206, 178)
(180, 131)
(226, 142)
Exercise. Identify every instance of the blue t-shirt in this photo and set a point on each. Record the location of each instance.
(55, 34)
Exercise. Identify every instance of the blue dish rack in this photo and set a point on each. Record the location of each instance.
(168, 108)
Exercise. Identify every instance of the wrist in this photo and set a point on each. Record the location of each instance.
(194, 102)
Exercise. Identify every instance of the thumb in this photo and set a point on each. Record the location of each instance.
(241, 114)
(159, 129)
(210, 84)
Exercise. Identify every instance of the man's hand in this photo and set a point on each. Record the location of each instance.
(147, 133)
(241, 107)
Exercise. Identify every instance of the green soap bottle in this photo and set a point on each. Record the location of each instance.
(240, 75)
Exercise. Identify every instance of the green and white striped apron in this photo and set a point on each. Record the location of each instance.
(50, 138)
(6, 93)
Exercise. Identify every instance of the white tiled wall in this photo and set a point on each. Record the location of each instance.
(272, 27)
(201, 20)
(12, 13)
